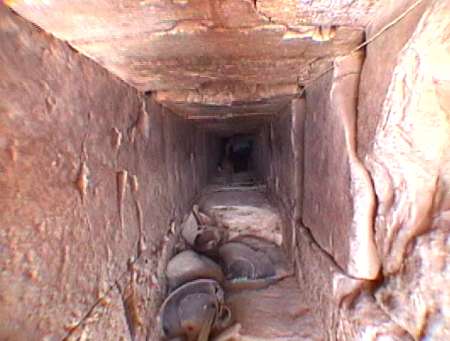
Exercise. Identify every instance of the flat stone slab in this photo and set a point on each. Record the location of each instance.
(243, 210)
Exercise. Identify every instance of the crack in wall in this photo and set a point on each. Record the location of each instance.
(101, 300)
(367, 287)
(128, 319)
(317, 246)
(140, 245)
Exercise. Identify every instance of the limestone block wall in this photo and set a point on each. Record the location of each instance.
(402, 142)
(92, 176)
(286, 139)
(328, 206)
(261, 152)
(285, 164)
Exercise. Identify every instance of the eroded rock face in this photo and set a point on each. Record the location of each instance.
(365, 320)
(284, 166)
(379, 67)
(408, 163)
(410, 166)
(228, 98)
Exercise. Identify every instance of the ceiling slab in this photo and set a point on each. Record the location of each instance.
(235, 125)
(182, 44)
(225, 99)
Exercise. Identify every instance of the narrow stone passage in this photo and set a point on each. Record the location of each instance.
(268, 308)
(224, 170)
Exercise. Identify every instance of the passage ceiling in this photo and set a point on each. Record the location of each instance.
(208, 54)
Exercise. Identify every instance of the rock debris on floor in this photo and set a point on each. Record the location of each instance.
(230, 279)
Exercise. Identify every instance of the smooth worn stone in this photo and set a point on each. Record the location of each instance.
(188, 265)
(251, 265)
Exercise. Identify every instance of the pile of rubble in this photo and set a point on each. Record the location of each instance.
(208, 268)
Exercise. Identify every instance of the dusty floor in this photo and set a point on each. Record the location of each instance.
(276, 313)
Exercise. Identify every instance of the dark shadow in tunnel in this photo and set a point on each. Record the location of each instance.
(237, 149)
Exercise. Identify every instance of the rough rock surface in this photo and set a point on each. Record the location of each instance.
(286, 139)
(276, 313)
(91, 175)
(379, 67)
(324, 291)
(225, 99)
(327, 198)
(200, 45)
(410, 166)
(285, 163)
(365, 320)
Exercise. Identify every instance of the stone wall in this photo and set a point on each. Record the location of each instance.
(409, 161)
(261, 153)
(285, 162)
(338, 202)
(403, 140)
(91, 177)
(328, 208)
(286, 140)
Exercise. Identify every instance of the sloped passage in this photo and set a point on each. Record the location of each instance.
(317, 179)
(267, 309)
(277, 312)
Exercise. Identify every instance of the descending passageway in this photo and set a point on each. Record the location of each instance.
(276, 312)
(224, 170)
(237, 199)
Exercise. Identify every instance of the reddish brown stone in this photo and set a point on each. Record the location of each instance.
(409, 164)
(95, 177)
(327, 201)
(167, 45)
(320, 12)
(378, 67)
(91, 174)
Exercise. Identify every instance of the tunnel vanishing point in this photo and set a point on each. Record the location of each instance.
(292, 154)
